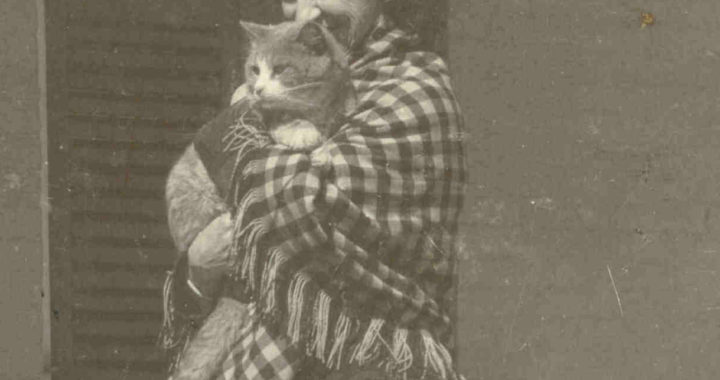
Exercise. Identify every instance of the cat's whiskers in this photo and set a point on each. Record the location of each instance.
(292, 101)
(301, 87)
(285, 97)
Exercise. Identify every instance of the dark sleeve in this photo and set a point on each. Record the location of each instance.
(210, 147)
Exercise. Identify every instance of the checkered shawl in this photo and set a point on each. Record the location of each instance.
(349, 259)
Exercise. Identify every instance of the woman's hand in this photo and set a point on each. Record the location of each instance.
(348, 20)
(209, 256)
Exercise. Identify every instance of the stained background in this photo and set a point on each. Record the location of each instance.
(593, 144)
(593, 147)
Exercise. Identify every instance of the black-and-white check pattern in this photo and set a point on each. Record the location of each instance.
(373, 228)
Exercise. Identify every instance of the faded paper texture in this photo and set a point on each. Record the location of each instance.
(590, 232)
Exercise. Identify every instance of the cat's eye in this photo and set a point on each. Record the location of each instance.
(255, 69)
(278, 69)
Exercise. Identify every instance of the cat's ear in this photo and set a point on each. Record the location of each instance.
(313, 37)
(255, 31)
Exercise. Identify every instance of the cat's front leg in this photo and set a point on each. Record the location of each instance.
(320, 157)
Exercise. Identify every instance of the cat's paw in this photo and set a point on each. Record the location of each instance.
(300, 135)
(320, 157)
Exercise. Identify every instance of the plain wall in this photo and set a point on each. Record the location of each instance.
(594, 149)
(21, 184)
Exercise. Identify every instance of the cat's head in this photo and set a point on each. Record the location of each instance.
(294, 65)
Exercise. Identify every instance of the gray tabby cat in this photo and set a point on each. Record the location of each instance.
(298, 81)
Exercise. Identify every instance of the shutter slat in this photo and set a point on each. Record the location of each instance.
(186, 125)
(119, 168)
(130, 153)
(191, 100)
(138, 34)
(133, 256)
(179, 87)
(174, 113)
(124, 133)
(172, 14)
(131, 130)
(110, 57)
(144, 72)
(153, 208)
(118, 328)
(120, 279)
(114, 354)
(94, 180)
(141, 305)
(101, 371)
(128, 229)
(123, 20)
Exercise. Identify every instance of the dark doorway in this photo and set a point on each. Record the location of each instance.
(128, 84)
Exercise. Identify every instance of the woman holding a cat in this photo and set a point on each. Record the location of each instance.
(336, 229)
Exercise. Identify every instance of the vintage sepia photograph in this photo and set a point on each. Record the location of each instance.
(359, 189)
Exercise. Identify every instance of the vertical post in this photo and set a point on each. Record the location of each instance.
(21, 275)
(59, 238)
(44, 197)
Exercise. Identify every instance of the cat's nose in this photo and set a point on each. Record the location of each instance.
(258, 91)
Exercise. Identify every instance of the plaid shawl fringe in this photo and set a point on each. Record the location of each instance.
(180, 318)
(310, 322)
(311, 254)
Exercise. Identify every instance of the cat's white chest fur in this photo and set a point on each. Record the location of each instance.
(297, 135)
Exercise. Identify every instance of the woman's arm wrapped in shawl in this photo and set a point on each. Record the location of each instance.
(354, 255)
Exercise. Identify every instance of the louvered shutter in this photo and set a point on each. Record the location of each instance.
(129, 82)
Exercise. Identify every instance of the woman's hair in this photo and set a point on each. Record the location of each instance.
(427, 18)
